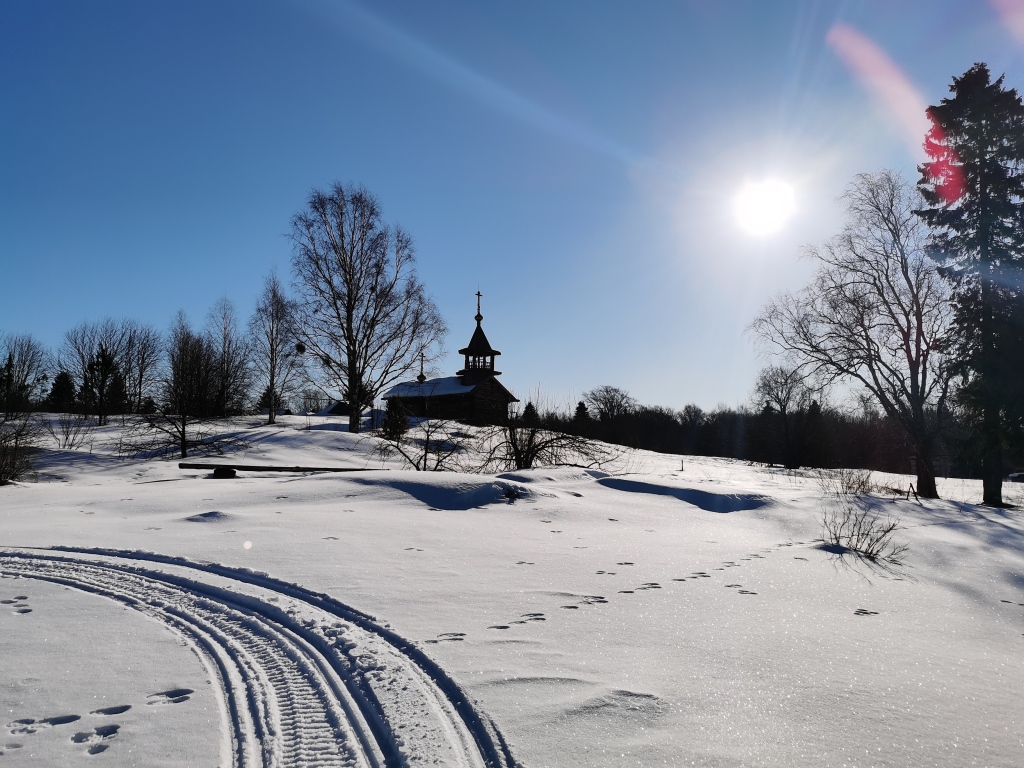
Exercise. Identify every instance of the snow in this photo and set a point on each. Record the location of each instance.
(449, 385)
(641, 615)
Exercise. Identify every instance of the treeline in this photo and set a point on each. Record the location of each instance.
(813, 436)
(116, 367)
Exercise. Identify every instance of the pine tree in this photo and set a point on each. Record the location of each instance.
(974, 188)
(530, 416)
(62, 394)
(271, 400)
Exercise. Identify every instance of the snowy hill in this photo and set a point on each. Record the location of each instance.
(641, 615)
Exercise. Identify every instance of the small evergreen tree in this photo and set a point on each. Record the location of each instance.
(582, 415)
(530, 416)
(271, 400)
(395, 422)
(61, 398)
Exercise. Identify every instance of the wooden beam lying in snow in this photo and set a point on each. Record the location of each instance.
(264, 468)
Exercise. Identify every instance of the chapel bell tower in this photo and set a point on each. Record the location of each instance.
(479, 354)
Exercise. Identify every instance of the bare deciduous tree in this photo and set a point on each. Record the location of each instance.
(122, 354)
(784, 391)
(274, 336)
(233, 374)
(187, 397)
(24, 367)
(364, 316)
(877, 312)
(609, 402)
(140, 361)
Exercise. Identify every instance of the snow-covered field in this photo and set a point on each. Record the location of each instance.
(657, 616)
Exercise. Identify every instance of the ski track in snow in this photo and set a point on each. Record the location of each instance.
(303, 680)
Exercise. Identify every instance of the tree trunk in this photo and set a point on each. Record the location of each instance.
(992, 463)
(184, 437)
(926, 488)
(355, 410)
(992, 449)
(272, 410)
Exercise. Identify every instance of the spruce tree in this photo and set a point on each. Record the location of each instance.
(973, 184)
(395, 422)
(271, 400)
(530, 416)
(62, 394)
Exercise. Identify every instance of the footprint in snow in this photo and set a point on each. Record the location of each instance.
(173, 696)
(413, 549)
(799, 558)
(524, 562)
(18, 604)
(96, 738)
(499, 626)
(545, 521)
(747, 592)
(448, 637)
(626, 563)
(605, 573)
(864, 612)
(28, 725)
(112, 710)
(330, 538)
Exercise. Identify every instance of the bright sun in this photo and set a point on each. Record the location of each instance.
(763, 207)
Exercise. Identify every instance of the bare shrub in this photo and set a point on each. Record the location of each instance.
(70, 430)
(517, 444)
(849, 526)
(846, 482)
(19, 436)
(434, 445)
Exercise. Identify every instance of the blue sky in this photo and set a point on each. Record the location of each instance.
(575, 161)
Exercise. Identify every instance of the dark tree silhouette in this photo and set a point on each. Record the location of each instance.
(876, 313)
(364, 316)
(274, 336)
(973, 184)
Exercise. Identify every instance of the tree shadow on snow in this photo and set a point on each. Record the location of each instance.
(710, 502)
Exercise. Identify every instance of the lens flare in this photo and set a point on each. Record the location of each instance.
(764, 207)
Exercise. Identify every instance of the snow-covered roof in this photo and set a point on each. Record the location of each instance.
(449, 385)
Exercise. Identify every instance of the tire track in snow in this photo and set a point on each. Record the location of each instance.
(303, 679)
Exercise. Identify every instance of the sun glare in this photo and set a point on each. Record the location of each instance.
(763, 207)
